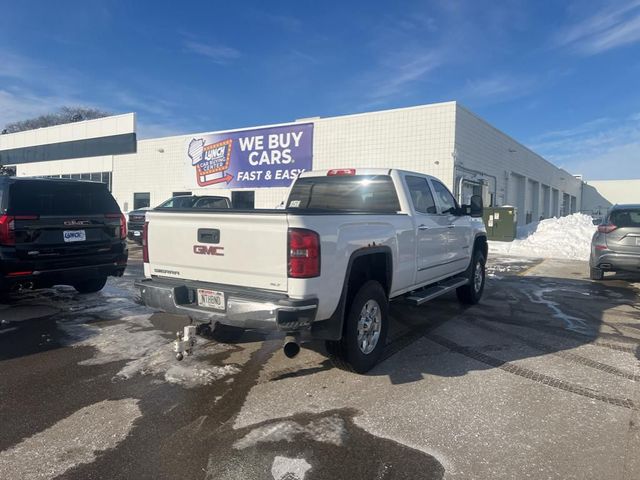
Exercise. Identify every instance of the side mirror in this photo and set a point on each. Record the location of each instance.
(476, 206)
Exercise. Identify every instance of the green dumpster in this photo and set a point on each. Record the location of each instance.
(501, 223)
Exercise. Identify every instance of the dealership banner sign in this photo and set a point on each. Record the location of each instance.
(258, 158)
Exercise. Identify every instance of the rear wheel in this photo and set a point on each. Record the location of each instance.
(365, 330)
(471, 293)
(596, 273)
(91, 285)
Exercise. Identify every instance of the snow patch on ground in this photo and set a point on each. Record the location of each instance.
(565, 237)
(147, 352)
(72, 441)
(327, 430)
(285, 468)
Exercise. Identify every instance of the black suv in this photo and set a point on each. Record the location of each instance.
(55, 232)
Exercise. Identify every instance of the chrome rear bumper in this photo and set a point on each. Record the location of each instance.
(244, 308)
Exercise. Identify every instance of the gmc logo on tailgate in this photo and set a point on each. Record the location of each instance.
(208, 250)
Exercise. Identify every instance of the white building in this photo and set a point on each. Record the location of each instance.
(599, 195)
(444, 139)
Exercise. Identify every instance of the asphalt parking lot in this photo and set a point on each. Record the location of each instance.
(540, 380)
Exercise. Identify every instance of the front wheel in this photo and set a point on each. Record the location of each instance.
(365, 330)
(596, 273)
(471, 293)
(91, 285)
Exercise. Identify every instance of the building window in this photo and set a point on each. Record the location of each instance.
(244, 199)
(180, 194)
(141, 200)
(104, 177)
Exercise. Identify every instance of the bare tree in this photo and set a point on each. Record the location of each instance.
(63, 115)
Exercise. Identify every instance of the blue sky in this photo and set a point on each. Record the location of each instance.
(562, 77)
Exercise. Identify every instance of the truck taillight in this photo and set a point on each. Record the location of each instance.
(123, 223)
(304, 253)
(341, 171)
(7, 230)
(145, 243)
(606, 228)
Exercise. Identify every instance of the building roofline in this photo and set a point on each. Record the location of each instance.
(304, 120)
(475, 115)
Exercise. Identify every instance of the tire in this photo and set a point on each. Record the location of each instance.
(370, 309)
(596, 273)
(91, 285)
(471, 293)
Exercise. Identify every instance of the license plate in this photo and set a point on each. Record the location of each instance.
(211, 299)
(136, 233)
(74, 235)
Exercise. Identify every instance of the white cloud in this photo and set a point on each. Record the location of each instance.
(615, 25)
(397, 75)
(498, 87)
(219, 53)
(603, 148)
(18, 105)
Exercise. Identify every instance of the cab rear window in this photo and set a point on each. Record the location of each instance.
(348, 193)
(46, 197)
(625, 218)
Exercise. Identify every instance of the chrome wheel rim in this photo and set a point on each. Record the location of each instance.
(369, 326)
(478, 277)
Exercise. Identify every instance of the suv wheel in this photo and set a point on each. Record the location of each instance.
(596, 273)
(471, 293)
(365, 330)
(91, 285)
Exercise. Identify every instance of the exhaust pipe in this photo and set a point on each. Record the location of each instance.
(291, 346)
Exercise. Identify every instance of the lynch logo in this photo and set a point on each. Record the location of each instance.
(208, 250)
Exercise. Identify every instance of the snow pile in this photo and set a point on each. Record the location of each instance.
(565, 237)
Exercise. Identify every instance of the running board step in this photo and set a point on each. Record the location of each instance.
(422, 296)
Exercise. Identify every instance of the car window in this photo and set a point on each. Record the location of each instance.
(625, 218)
(421, 195)
(447, 202)
(178, 202)
(45, 197)
(210, 203)
(347, 193)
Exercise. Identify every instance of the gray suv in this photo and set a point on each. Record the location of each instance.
(616, 244)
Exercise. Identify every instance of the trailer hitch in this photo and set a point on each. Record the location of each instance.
(184, 342)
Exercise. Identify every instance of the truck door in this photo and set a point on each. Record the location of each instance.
(458, 227)
(431, 232)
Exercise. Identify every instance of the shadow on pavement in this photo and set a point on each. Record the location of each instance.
(519, 318)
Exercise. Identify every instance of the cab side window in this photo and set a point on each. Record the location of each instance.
(446, 200)
(420, 193)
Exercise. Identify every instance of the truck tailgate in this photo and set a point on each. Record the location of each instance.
(242, 249)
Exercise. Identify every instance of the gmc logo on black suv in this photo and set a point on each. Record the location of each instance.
(208, 250)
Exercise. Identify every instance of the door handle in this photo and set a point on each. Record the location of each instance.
(423, 227)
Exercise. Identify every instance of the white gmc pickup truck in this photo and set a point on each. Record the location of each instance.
(324, 267)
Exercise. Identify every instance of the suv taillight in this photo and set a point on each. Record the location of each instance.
(303, 253)
(606, 228)
(123, 226)
(145, 243)
(7, 230)
(123, 223)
